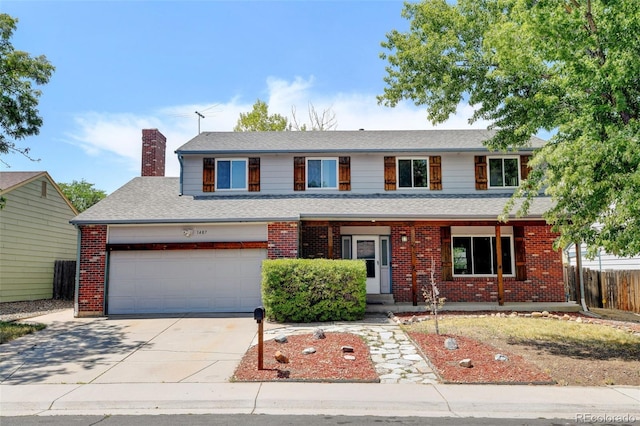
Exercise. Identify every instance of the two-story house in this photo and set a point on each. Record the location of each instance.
(409, 203)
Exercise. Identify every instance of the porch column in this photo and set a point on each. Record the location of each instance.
(499, 263)
(414, 276)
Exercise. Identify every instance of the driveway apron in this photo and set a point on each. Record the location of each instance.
(172, 349)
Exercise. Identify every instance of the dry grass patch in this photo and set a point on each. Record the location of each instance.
(572, 353)
(10, 331)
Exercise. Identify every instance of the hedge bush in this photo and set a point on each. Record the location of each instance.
(314, 290)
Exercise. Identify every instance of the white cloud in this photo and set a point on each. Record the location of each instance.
(120, 134)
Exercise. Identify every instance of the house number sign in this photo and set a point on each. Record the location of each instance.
(188, 232)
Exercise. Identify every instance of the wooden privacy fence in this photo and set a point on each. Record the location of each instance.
(606, 289)
(64, 278)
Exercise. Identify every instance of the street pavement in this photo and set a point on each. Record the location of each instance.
(182, 364)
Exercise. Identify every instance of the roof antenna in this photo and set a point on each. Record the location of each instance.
(199, 117)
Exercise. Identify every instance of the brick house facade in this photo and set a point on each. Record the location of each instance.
(196, 243)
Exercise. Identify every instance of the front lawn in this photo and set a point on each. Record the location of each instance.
(581, 352)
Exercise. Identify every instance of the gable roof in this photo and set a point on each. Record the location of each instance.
(343, 141)
(156, 200)
(10, 181)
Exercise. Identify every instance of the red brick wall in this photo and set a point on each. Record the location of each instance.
(283, 240)
(544, 281)
(93, 240)
(314, 240)
(153, 152)
(427, 257)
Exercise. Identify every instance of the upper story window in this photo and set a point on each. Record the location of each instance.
(504, 172)
(231, 173)
(322, 173)
(477, 255)
(413, 173)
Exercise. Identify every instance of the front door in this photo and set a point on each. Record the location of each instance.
(366, 247)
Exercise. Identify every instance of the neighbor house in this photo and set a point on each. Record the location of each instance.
(411, 204)
(34, 233)
(602, 261)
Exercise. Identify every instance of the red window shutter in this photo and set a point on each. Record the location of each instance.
(521, 255)
(299, 177)
(344, 174)
(435, 173)
(389, 173)
(254, 174)
(208, 174)
(445, 253)
(481, 172)
(524, 166)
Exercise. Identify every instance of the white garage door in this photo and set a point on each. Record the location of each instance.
(178, 281)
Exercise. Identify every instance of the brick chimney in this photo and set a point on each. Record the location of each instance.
(154, 145)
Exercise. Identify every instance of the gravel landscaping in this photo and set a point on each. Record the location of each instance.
(12, 311)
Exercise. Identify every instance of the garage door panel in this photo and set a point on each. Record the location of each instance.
(184, 281)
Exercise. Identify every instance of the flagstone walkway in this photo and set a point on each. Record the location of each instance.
(396, 358)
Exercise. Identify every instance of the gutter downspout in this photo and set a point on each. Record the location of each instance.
(181, 172)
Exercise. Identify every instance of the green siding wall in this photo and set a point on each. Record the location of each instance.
(34, 233)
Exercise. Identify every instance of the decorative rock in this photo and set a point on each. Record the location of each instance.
(466, 363)
(347, 349)
(536, 314)
(309, 351)
(501, 357)
(545, 313)
(451, 344)
(578, 319)
(281, 338)
(318, 334)
(350, 357)
(281, 358)
(566, 317)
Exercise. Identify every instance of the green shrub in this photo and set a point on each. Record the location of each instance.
(312, 290)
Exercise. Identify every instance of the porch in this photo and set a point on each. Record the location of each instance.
(477, 307)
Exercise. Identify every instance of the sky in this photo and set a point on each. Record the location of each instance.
(123, 66)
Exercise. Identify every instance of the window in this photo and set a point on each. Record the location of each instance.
(413, 173)
(476, 255)
(231, 174)
(346, 247)
(504, 172)
(322, 173)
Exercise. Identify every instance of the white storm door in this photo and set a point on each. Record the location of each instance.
(366, 248)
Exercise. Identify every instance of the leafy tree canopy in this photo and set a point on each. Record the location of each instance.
(567, 66)
(19, 72)
(259, 120)
(82, 194)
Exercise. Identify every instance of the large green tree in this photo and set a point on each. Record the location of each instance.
(19, 72)
(82, 194)
(259, 120)
(571, 67)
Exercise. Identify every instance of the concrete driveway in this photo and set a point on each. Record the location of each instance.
(170, 349)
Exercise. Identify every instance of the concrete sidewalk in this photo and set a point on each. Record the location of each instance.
(481, 401)
(182, 364)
